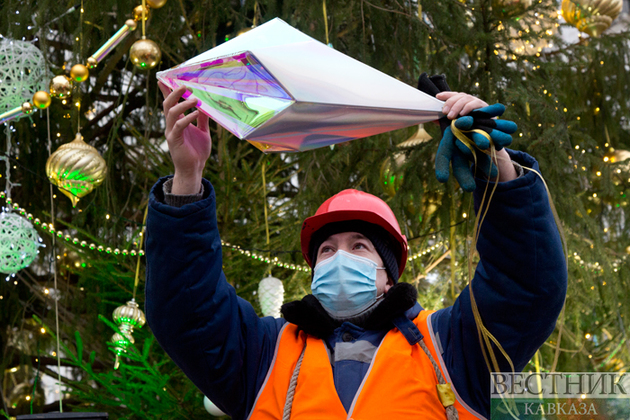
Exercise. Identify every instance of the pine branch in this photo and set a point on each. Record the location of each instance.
(50, 407)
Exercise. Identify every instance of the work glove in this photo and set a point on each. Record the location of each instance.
(482, 119)
(453, 152)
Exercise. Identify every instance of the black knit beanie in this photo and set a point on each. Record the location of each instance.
(387, 249)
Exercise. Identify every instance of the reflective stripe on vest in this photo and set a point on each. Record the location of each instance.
(399, 384)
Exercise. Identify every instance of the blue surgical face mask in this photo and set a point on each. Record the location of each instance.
(345, 284)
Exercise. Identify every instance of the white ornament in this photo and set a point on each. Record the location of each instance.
(211, 408)
(23, 71)
(19, 243)
(270, 296)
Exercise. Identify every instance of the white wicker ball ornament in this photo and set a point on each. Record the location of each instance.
(23, 72)
(19, 243)
(211, 408)
(270, 296)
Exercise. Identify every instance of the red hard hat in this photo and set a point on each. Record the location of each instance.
(354, 205)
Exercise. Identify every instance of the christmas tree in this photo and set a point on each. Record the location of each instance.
(567, 92)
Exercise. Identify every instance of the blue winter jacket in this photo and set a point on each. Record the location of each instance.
(222, 345)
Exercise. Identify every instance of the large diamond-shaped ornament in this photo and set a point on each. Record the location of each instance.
(284, 91)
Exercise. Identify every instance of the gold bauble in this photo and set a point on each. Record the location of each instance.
(79, 73)
(137, 13)
(145, 54)
(510, 8)
(391, 174)
(591, 16)
(131, 24)
(120, 344)
(60, 86)
(27, 108)
(628, 250)
(156, 4)
(620, 157)
(412, 206)
(431, 201)
(41, 99)
(263, 147)
(76, 168)
(420, 137)
(129, 316)
(91, 63)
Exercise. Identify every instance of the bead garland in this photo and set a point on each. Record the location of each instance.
(258, 256)
(48, 227)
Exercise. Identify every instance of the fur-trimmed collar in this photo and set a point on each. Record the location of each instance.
(312, 318)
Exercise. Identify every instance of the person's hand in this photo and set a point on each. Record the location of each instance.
(477, 121)
(485, 119)
(458, 104)
(469, 117)
(188, 144)
(451, 151)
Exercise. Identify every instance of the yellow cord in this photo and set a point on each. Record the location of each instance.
(142, 233)
(325, 21)
(144, 7)
(265, 207)
(255, 21)
(485, 337)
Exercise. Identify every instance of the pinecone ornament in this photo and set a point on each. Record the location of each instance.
(270, 296)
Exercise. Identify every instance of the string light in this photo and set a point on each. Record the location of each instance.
(596, 267)
(426, 251)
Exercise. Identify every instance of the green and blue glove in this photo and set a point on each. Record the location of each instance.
(479, 126)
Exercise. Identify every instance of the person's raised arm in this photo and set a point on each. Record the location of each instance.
(213, 335)
(520, 281)
(188, 144)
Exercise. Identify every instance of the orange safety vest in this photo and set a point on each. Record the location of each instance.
(400, 383)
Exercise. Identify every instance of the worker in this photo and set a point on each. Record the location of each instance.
(361, 346)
